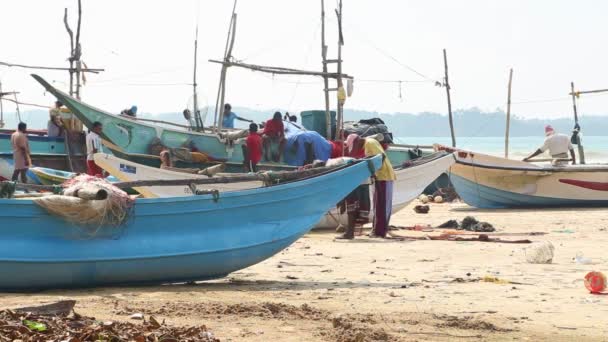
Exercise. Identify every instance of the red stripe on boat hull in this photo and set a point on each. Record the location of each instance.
(599, 186)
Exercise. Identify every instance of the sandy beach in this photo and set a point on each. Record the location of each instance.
(370, 289)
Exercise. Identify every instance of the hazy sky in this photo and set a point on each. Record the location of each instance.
(145, 45)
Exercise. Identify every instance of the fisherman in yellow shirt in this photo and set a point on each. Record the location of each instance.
(383, 187)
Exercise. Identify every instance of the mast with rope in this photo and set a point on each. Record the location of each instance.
(197, 114)
(576, 133)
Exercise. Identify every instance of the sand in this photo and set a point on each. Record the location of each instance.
(370, 289)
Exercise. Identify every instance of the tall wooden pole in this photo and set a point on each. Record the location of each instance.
(195, 112)
(325, 79)
(341, 92)
(577, 127)
(447, 89)
(508, 114)
(219, 103)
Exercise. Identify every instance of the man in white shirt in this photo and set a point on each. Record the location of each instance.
(94, 146)
(558, 145)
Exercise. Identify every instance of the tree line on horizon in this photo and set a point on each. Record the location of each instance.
(467, 122)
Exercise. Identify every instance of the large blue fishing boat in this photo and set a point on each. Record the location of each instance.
(174, 239)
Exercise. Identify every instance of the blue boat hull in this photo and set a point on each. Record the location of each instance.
(166, 239)
(481, 196)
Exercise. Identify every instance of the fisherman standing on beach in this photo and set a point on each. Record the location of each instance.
(558, 145)
(93, 141)
(383, 186)
(21, 153)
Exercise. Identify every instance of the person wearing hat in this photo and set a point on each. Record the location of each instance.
(383, 186)
(558, 146)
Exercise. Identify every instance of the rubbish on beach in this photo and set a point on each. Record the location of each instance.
(565, 231)
(495, 280)
(448, 194)
(21, 326)
(449, 224)
(595, 282)
(581, 260)
(540, 253)
(137, 316)
(472, 224)
(452, 236)
(423, 198)
(438, 199)
(469, 223)
(422, 209)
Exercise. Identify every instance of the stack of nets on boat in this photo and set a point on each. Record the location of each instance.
(89, 200)
(369, 127)
(185, 154)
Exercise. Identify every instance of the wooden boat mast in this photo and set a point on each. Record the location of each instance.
(197, 114)
(221, 92)
(508, 114)
(447, 90)
(227, 62)
(577, 127)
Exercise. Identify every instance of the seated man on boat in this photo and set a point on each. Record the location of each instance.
(558, 145)
(383, 186)
(93, 142)
(230, 116)
(131, 112)
(252, 149)
(21, 153)
(55, 127)
(274, 132)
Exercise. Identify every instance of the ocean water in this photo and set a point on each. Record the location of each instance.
(596, 147)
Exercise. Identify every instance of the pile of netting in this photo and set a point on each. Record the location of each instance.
(112, 210)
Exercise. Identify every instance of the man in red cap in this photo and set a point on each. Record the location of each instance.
(558, 145)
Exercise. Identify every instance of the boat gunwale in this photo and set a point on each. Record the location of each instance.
(231, 193)
(551, 169)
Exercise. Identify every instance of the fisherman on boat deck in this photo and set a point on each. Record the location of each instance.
(383, 187)
(55, 125)
(558, 145)
(274, 131)
(93, 141)
(229, 117)
(132, 112)
(21, 152)
(254, 149)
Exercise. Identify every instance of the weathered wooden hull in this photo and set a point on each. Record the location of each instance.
(491, 182)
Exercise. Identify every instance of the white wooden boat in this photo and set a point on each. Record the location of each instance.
(485, 181)
(410, 183)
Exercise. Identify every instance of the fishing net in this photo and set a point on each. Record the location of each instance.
(111, 211)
